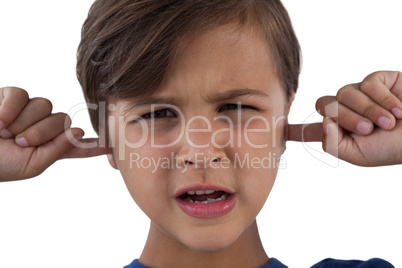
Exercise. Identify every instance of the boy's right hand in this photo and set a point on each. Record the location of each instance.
(32, 138)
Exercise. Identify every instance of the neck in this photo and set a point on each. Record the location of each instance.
(161, 250)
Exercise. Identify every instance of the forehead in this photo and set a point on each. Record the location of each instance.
(216, 65)
(226, 57)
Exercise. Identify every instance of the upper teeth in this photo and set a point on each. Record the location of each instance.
(201, 192)
(208, 201)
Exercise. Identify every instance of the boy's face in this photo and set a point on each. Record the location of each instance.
(202, 139)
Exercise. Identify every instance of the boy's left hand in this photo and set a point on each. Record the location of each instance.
(362, 123)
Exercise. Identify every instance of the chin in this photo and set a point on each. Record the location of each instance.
(210, 241)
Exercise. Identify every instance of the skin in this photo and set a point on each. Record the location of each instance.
(379, 97)
(216, 62)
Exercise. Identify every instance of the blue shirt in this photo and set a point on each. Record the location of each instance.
(327, 263)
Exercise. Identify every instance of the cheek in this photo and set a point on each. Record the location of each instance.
(146, 183)
(260, 144)
(265, 133)
(140, 167)
(260, 157)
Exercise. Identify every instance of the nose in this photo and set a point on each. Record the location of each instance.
(198, 147)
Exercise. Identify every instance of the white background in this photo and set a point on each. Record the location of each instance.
(79, 213)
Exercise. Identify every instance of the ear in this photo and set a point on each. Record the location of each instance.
(285, 132)
(290, 101)
(103, 134)
(111, 160)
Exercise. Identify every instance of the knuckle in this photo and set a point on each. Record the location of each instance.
(8, 115)
(19, 93)
(343, 94)
(64, 118)
(348, 121)
(369, 110)
(13, 89)
(388, 101)
(33, 135)
(23, 94)
(373, 76)
(44, 105)
(368, 84)
(345, 121)
(331, 109)
(318, 106)
(12, 99)
(322, 104)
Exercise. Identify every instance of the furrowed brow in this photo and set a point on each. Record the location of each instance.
(228, 95)
(235, 93)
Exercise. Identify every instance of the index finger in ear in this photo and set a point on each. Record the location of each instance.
(12, 102)
(86, 148)
(305, 132)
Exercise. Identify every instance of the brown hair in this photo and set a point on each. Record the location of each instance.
(128, 45)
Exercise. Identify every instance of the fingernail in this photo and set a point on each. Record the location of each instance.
(397, 112)
(22, 142)
(4, 133)
(2, 124)
(384, 122)
(363, 127)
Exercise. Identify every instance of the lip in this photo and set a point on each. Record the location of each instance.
(210, 210)
(202, 187)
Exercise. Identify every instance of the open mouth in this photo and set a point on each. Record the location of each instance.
(206, 201)
(204, 197)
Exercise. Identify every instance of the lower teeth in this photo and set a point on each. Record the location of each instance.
(208, 201)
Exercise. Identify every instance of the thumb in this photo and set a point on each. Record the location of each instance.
(305, 132)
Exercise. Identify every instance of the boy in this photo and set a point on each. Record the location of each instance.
(210, 84)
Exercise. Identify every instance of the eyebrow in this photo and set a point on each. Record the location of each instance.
(148, 101)
(235, 93)
(224, 96)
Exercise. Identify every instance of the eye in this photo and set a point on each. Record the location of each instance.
(237, 106)
(163, 113)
